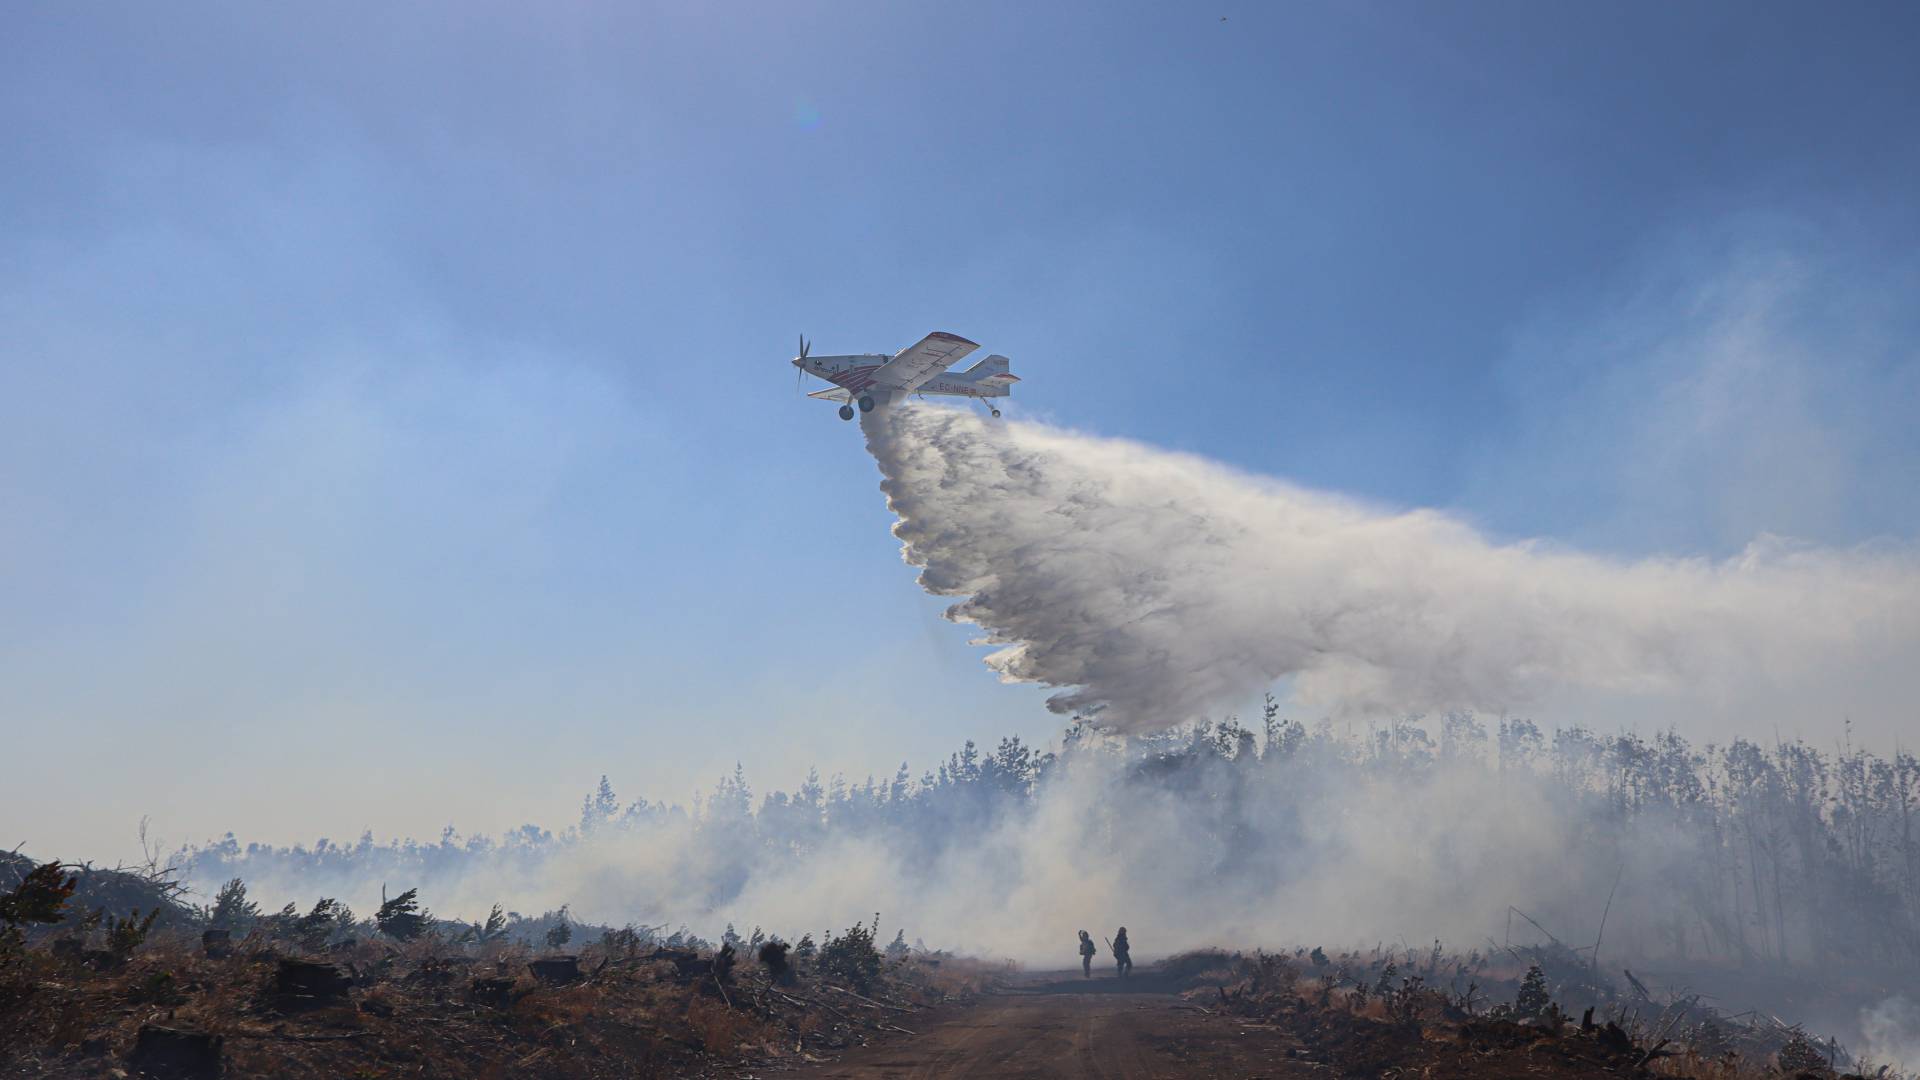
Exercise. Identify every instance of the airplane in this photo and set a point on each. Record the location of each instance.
(871, 380)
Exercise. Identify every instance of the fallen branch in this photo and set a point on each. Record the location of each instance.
(1537, 926)
(810, 1004)
(870, 1001)
(1638, 986)
(1659, 1051)
(288, 1037)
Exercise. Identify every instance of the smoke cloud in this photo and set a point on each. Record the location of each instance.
(1700, 868)
(1155, 587)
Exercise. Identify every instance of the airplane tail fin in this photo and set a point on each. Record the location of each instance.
(992, 365)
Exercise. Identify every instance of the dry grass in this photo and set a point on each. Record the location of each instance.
(721, 1029)
(953, 977)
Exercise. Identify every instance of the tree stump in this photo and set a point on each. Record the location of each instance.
(556, 970)
(102, 959)
(492, 991)
(303, 984)
(168, 1054)
(687, 964)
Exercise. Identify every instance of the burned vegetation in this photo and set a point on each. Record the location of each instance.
(227, 990)
(1766, 887)
(1441, 1016)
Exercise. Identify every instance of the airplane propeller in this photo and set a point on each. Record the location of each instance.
(799, 369)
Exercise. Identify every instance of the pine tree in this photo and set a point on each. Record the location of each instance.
(599, 808)
(41, 897)
(402, 916)
(493, 929)
(316, 926)
(231, 908)
(1533, 999)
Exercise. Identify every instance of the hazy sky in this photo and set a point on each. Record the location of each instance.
(395, 423)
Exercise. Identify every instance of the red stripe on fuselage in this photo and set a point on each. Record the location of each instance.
(853, 378)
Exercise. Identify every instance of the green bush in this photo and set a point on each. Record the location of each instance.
(126, 935)
(852, 955)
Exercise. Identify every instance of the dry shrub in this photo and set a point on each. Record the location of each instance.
(957, 976)
(1207, 965)
(1692, 1066)
(559, 1007)
(720, 1029)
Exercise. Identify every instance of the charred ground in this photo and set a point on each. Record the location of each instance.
(1734, 893)
(291, 997)
(228, 991)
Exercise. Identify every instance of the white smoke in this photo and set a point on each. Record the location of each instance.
(1892, 1033)
(1154, 587)
(1188, 858)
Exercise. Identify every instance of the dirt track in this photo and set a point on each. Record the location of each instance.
(1070, 1028)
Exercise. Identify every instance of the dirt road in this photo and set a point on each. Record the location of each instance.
(1070, 1028)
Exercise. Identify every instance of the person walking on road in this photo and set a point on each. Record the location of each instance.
(1122, 962)
(1086, 954)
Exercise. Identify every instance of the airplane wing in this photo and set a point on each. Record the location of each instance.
(834, 393)
(916, 364)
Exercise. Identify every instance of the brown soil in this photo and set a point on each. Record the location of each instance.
(1054, 1026)
(423, 1011)
(1070, 1029)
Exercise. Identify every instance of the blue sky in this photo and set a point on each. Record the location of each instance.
(395, 424)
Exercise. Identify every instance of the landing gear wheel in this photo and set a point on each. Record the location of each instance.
(866, 404)
(846, 412)
(996, 414)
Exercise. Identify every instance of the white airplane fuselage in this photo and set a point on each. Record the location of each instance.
(872, 380)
